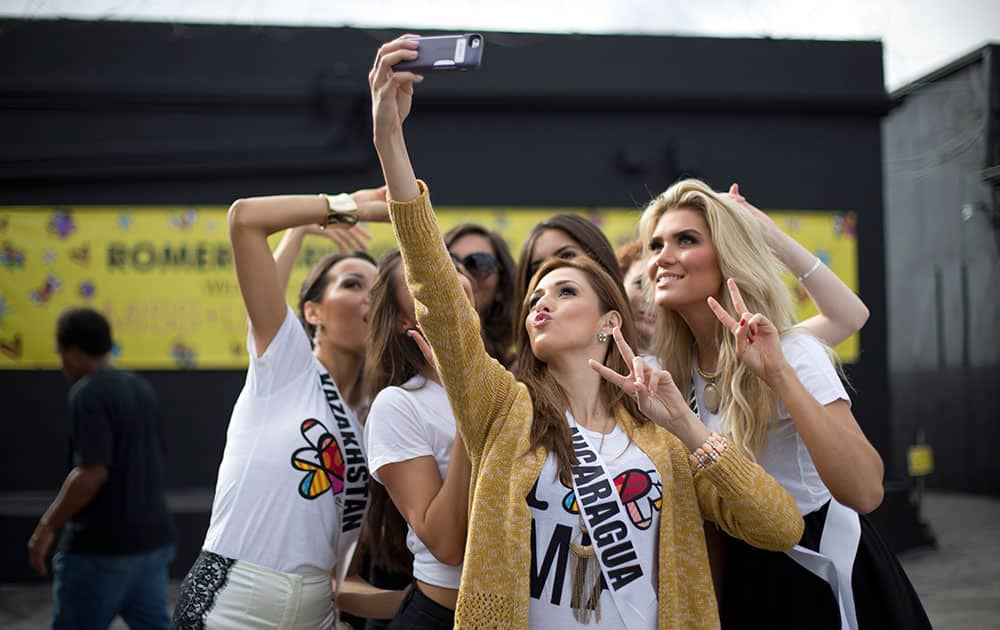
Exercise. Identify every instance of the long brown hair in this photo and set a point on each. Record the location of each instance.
(391, 359)
(548, 426)
(588, 236)
(497, 324)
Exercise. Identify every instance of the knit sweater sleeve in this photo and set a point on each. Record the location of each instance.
(479, 388)
(748, 503)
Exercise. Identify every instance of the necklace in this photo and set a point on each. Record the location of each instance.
(713, 397)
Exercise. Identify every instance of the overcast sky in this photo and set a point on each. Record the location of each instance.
(918, 35)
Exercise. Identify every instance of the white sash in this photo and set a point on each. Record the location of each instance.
(835, 561)
(610, 532)
(352, 503)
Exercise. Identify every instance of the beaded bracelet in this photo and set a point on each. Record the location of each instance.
(709, 452)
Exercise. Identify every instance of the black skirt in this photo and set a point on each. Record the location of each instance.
(767, 589)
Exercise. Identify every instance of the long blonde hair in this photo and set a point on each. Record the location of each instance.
(749, 404)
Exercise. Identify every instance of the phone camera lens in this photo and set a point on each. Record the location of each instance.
(474, 42)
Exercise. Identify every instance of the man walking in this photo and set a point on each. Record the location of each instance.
(117, 542)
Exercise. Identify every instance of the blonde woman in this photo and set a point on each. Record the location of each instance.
(586, 510)
(773, 391)
(841, 311)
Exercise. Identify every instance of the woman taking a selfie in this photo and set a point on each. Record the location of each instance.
(587, 494)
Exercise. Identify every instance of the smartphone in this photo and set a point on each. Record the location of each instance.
(446, 52)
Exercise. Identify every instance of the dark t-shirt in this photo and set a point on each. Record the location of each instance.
(115, 421)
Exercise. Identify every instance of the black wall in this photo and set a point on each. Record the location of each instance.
(128, 113)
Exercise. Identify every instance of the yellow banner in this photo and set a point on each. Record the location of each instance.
(163, 275)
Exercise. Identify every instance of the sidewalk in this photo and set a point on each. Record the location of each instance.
(959, 583)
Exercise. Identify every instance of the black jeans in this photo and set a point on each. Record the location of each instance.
(419, 612)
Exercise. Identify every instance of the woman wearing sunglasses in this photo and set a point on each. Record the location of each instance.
(486, 257)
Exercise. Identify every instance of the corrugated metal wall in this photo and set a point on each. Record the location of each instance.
(943, 266)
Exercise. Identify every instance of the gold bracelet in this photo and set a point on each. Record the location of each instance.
(341, 210)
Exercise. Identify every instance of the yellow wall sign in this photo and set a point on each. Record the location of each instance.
(163, 275)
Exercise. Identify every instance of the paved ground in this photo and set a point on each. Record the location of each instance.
(959, 582)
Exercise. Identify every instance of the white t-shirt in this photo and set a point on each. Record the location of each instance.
(404, 423)
(786, 457)
(267, 510)
(555, 523)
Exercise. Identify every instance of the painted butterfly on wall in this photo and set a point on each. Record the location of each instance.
(322, 461)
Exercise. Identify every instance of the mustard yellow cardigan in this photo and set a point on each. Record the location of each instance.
(493, 413)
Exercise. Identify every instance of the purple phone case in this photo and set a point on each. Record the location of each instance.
(446, 52)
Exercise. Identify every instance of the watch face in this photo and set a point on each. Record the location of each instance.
(342, 203)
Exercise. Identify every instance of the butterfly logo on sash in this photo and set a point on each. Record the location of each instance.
(640, 491)
(322, 461)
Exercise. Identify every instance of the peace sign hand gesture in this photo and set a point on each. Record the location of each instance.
(656, 393)
(758, 341)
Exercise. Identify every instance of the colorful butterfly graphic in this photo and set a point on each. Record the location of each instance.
(10, 257)
(62, 224)
(845, 224)
(322, 461)
(12, 347)
(80, 255)
(641, 493)
(183, 220)
(44, 293)
(183, 354)
(87, 289)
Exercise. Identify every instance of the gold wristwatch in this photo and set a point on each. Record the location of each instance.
(342, 210)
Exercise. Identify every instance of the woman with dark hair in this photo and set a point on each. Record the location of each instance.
(292, 485)
(563, 236)
(486, 257)
(420, 500)
(572, 476)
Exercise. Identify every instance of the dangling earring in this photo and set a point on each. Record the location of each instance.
(602, 337)
(316, 332)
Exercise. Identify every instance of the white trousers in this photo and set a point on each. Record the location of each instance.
(256, 597)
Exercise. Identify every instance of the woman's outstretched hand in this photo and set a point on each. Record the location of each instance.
(392, 92)
(758, 341)
(656, 394)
